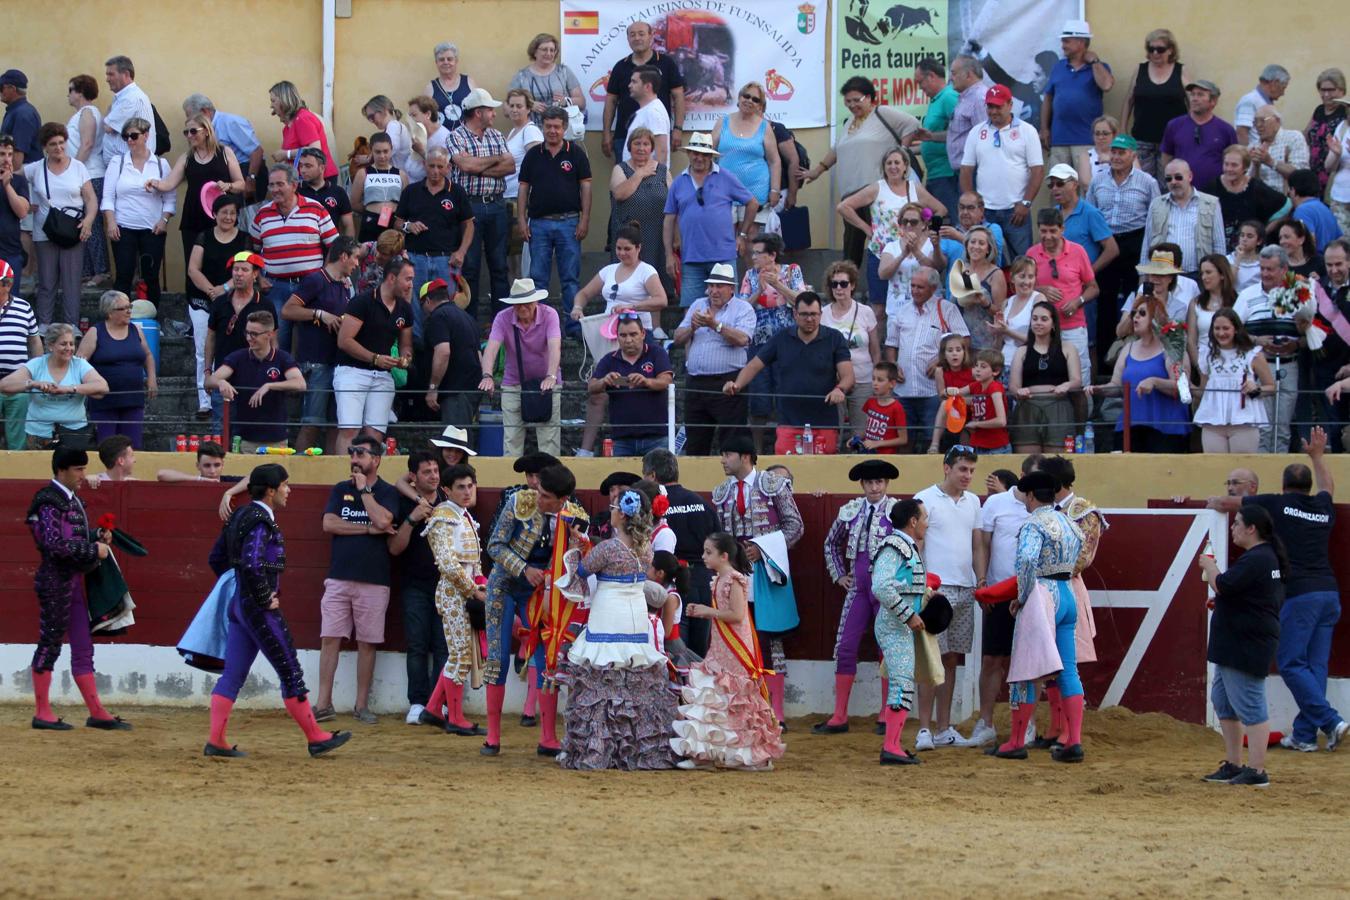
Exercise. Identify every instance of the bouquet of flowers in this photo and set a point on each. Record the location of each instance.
(1295, 300)
(1173, 337)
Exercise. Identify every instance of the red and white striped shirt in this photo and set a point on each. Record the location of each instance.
(292, 245)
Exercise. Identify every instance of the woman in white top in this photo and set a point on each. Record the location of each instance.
(628, 285)
(376, 189)
(1014, 322)
(523, 135)
(884, 199)
(858, 324)
(137, 218)
(1338, 163)
(427, 132)
(381, 112)
(1245, 259)
(549, 82)
(58, 181)
(1095, 161)
(84, 132)
(1217, 292)
(912, 248)
(1234, 376)
(1162, 280)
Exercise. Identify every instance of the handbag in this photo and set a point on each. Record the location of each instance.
(62, 226)
(576, 122)
(74, 438)
(796, 226)
(535, 405)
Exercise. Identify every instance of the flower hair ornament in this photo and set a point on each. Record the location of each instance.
(630, 504)
(659, 506)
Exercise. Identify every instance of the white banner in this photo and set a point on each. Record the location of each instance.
(719, 44)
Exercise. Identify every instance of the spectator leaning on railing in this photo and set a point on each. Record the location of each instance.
(252, 380)
(636, 377)
(58, 383)
(19, 342)
(117, 348)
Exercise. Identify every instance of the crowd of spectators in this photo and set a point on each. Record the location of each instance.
(1186, 285)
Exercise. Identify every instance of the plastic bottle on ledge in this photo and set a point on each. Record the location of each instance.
(1089, 440)
(808, 440)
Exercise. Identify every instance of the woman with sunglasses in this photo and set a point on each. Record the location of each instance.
(627, 286)
(206, 161)
(911, 249)
(59, 185)
(1045, 371)
(858, 324)
(884, 200)
(117, 348)
(136, 218)
(749, 150)
(57, 384)
(1156, 96)
(1159, 421)
(300, 128)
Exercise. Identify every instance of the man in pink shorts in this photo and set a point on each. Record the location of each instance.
(359, 516)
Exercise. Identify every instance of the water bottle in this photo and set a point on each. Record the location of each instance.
(1089, 441)
(808, 439)
(680, 437)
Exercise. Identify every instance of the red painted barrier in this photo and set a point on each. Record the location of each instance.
(178, 524)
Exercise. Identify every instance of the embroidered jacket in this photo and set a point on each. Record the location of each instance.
(1047, 544)
(520, 528)
(453, 535)
(899, 578)
(1083, 513)
(846, 540)
(769, 506)
(60, 528)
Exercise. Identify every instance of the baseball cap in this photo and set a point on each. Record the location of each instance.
(998, 95)
(16, 78)
(1064, 172)
(432, 285)
(6, 270)
(1204, 84)
(253, 259)
(1124, 142)
(479, 97)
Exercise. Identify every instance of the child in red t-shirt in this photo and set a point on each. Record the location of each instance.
(987, 419)
(885, 431)
(954, 378)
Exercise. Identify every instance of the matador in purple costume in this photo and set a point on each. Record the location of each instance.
(251, 544)
(69, 549)
(853, 540)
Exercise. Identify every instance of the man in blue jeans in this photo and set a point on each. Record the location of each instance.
(555, 205)
(479, 163)
(699, 203)
(1312, 603)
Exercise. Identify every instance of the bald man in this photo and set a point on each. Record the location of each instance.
(1277, 152)
(1242, 483)
(1185, 217)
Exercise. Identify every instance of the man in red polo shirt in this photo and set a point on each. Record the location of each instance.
(1064, 275)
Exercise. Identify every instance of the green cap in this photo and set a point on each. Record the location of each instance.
(1124, 142)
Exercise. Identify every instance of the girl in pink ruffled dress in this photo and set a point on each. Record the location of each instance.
(726, 717)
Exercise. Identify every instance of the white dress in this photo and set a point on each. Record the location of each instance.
(1223, 403)
(1020, 322)
(1244, 274)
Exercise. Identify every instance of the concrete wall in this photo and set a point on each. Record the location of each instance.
(385, 47)
(1119, 480)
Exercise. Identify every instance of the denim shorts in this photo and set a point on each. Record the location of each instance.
(318, 403)
(1239, 695)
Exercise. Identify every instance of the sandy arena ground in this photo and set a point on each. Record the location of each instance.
(410, 812)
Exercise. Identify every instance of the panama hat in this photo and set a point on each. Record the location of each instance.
(454, 437)
(962, 282)
(700, 143)
(524, 291)
(722, 273)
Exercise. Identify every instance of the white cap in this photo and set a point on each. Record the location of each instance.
(1076, 28)
(479, 97)
(1063, 171)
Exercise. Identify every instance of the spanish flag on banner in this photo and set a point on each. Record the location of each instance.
(580, 22)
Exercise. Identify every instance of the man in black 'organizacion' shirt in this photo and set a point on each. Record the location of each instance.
(692, 519)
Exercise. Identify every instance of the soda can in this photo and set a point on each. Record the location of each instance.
(180, 443)
(607, 448)
(1078, 444)
(194, 442)
(236, 444)
(390, 446)
(84, 324)
(1068, 443)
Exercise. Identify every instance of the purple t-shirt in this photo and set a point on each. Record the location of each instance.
(636, 412)
(316, 343)
(1200, 145)
(267, 421)
(533, 343)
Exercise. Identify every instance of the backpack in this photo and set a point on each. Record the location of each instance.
(162, 143)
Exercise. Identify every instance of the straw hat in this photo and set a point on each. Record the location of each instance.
(523, 291)
(1160, 263)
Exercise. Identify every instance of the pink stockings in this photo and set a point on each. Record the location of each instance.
(895, 723)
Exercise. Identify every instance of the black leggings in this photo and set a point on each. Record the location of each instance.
(1144, 439)
(138, 246)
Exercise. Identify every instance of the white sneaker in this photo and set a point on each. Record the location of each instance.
(1288, 743)
(1338, 734)
(949, 737)
(983, 735)
(414, 716)
(924, 741)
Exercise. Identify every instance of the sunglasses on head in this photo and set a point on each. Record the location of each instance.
(629, 317)
(958, 450)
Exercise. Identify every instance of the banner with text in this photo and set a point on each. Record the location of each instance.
(719, 44)
(1017, 42)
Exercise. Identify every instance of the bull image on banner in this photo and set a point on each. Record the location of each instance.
(1016, 41)
(719, 46)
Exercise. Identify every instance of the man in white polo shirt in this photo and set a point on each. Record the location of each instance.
(291, 232)
(949, 552)
(1003, 161)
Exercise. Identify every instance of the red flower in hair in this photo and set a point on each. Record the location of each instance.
(684, 564)
(107, 521)
(660, 505)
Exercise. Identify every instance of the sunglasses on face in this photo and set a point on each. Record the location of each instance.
(132, 136)
(841, 285)
(191, 132)
(911, 222)
(252, 334)
(1174, 177)
(358, 451)
(1139, 314)
(752, 98)
(1157, 48)
(126, 308)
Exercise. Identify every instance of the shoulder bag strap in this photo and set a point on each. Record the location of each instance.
(520, 363)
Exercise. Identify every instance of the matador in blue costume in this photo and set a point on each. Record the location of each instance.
(252, 545)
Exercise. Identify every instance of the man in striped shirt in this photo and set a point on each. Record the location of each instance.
(480, 162)
(19, 343)
(291, 232)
